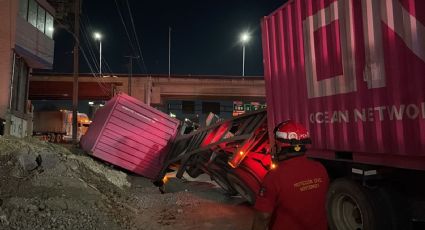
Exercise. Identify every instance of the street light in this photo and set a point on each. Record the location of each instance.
(245, 37)
(98, 37)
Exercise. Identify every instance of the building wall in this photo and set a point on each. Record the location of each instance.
(23, 46)
(34, 32)
(8, 12)
(36, 47)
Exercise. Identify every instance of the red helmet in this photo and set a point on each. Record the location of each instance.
(291, 136)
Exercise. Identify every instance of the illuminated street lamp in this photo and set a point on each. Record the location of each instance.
(98, 37)
(245, 37)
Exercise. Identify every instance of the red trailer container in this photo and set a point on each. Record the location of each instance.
(132, 135)
(353, 72)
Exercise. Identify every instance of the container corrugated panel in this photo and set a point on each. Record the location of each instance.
(132, 135)
(353, 72)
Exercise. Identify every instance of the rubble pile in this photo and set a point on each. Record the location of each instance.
(48, 186)
(45, 186)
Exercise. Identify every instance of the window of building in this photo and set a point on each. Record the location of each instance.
(32, 12)
(37, 16)
(41, 18)
(210, 107)
(20, 83)
(49, 25)
(188, 107)
(23, 9)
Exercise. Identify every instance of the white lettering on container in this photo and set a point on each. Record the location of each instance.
(380, 110)
(138, 114)
(340, 116)
(319, 118)
(358, 114)
(371, 114)
(341, 11)
(397, 112)
(412, 111)
(375, 14)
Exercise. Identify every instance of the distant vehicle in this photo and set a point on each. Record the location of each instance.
(56, 126)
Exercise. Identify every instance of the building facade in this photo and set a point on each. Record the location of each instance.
(26, 43)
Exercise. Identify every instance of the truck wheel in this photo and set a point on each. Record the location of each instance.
(223, 182)
(52, 138)
(193, 171)
(244, 183)
(351, 206)
(58, 138)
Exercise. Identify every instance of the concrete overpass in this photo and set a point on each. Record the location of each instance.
(152, 89)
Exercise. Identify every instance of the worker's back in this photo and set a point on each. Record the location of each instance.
(296, 194)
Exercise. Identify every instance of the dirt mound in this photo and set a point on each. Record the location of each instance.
(48, 186)
(45, 186)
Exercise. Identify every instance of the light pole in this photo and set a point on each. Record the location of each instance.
(98, 37)
(245, 37)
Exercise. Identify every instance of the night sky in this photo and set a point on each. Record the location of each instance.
(205, 36)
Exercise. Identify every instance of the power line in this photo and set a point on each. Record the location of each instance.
(125, 28)
(89, 44)
(135, 35)
(89, 47)
(104, 60)
(99, 80)
(75, 37)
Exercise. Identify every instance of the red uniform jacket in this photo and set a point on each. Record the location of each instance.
(295, 192)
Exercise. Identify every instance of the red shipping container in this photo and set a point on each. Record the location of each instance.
(353, 72)
(132, 135)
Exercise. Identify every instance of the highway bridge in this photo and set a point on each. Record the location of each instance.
(152, 89)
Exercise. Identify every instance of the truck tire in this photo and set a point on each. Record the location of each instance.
(223, 182)
(52, 138)
(58, 138)
(351, 206)
(193, 171)
(244, 183)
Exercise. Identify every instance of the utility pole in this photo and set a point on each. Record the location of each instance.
(130, 70)
(243, 60)
(76, 68)
(169, 52)
(245, 37)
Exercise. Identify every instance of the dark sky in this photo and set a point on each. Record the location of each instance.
(205, 36)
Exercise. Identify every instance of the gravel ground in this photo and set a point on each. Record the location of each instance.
(47, 186)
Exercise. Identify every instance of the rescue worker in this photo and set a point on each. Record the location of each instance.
(293, 195)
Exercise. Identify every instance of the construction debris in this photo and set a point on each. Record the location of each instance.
(48, 186)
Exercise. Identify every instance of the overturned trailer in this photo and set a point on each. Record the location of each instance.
(143, 140)
(131, 135)
(234, 152)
